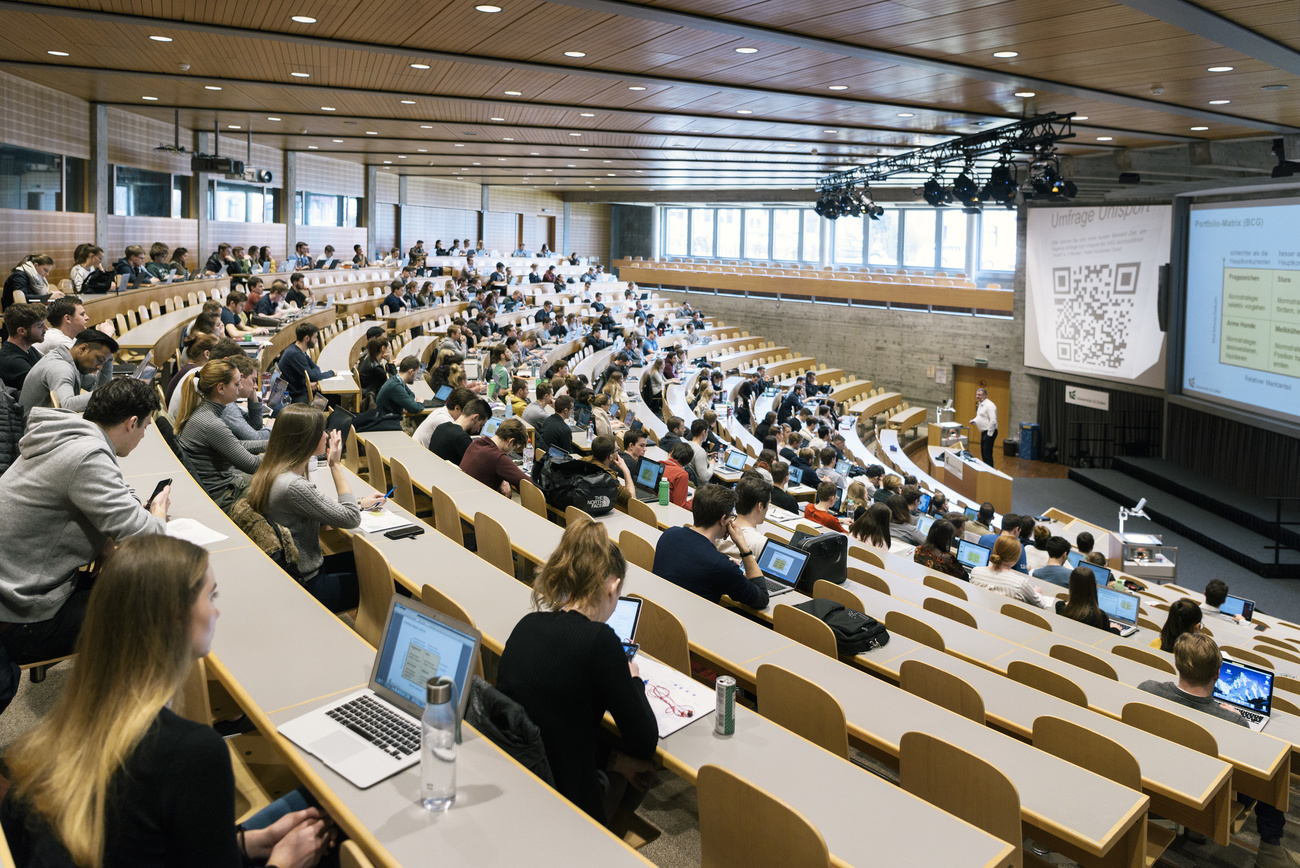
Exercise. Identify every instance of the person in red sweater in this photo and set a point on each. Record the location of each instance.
(488, 460)
(675, 472)
(820, 510)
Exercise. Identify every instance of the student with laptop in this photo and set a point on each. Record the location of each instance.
(1057, 570)
(871, 528)
(1010, 530)
(396, 398)
(64, 371)
(753, 497)
(450, 439)
(635, 441)
(450, 411)
(688, 556)
(605, 456)
(296, 365)
(819, 510)
(1216, 594)
(1200, 668)
(1082, 604)
(488, 460)
(936, 552)
(1184, 617)
(554, 430)
(1001, 576)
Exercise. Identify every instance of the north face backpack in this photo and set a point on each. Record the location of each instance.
(573, 482)
(854, 631)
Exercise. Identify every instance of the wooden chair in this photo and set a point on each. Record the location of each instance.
(802, 707)
(1047, 681)
(636, 550)
(440, 602)
(871, 580)
(946, 586)
(350, 856)
(532, 497)
(865, 554)
(446, 517)
(1277, 652)
(642, 512)
(942, 688)
(962, 784)
(573, 512)
(661, 635)
(1247, 656)
(744, 826)
(1103, 756)
(1084, 660)
(403, 488)
(351, 451)
(1281, 703)
(1145, 657)
(1171, 726)
(375, 579)
(805, 629)
(378, 476)
(914, 629)
(824, 590)
(1283, 682)
(950, 610)
(1020, 613)
(493, 543)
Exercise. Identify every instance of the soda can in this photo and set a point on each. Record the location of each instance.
(724, 718)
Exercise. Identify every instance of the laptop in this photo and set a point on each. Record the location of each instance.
(471, 369)
(973, 554)
(374, 733)
(1102, 574)
(843, 466)
(1074, 557)
(275, 395)
(972, 514)
(736, 460)
(1121, 607)
(326, 263)
(490, 427)
(581, 417)
(556, 452)
(924, 523)
(627, 612)
(630, 421)
(1248, 689)
(443, 393)
(647, 480)
(770, 392)
(924, 504)
(145, 371)
(1231, 605)
(782, 566)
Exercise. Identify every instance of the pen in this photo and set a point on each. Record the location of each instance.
(390, 492)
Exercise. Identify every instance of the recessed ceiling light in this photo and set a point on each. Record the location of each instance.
(301, 74)
(838, 87)
(419, 66)
(1025, 94)
(607, 161)
(272, 119)
(697, 131)
(501, 159)
(337, 141)
(636, 87)
(388, 162)
(533, 154)
(747, 51)
(210, 87)
(513, 93)
(550, 170)
(1219, 69)
(575, 54)
(327, 108)
(478, 164)
(743, 112)
(304, 19)
(1105, 138)
(426, 126)
(583, 150)
(401, 156)
(371, 133)
(408, 102)
(458, 145)
(610, 175)
(1274, 87)
(1006, 54)
(312, 148)
(1199, 129)
(150, 98)
(575, 134)
(586, 115)
(1080, 117)
(497, 119)
(570, 166)
(507, 139)
(486, 8)
(1220, 101)
(422, 150)
(906, 114)
(233, 127)
(58, 53)
(161, 38)
(830, 132)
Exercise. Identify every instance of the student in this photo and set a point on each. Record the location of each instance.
(1198, 659)
(780, 479)
(245, 424)
(498, 373)
(1184, 617)
(518, 396)
(936, 552)
(901, 525)
(487, 459)
(891, 484)
(675, 472)
(1010, 530)
(605, 456)
(112, 776)
(223, 465)
(395, 301)
(753, 497)
(450, 439)
(198, 352)
(1216, 592)
(89, 259)
(1057, 570)
(827, 472)
(231, 323)
(296, 365)
(872, 527)
(983, 521)
(448, 412)
(282, 492)
(819, 510)
(600, 417)
(1081, 605)
(62, 371)
(132, 266)
(395, 396)
(688, 556)
(554, 430)
(700, 464)
(1000, 574)
(376, 366)
(65, 498)
(567, 669)
(25, 325)
(267, 310)
(634, 447)
(1083, 542)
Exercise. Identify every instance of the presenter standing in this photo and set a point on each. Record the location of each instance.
(986, 420)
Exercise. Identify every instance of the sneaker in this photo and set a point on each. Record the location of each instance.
(1275, 856)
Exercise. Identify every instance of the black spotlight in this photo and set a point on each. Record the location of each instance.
(935, 194)
(825, 207)
(849, 204)
(965, 190)
(1002, 185)
(1045, 177)
(875, 212)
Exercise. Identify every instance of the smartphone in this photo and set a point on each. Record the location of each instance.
(404, 532)
(157, 491)
(630, 649)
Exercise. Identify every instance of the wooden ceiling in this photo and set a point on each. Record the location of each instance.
(667, 94)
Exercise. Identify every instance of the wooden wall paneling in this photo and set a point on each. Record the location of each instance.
(434, 192)
(144, 231)
(387, 185)
(386, 228)
(132, 140)
(56, 233)
(319, 174)
(44, 119)
(524, 200)
(589, 230)
(500, 231)
(966, 379)
(433, 224)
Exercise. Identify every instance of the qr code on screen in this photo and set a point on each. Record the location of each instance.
(1095, 306)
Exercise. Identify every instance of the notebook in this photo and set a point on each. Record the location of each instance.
(647, 480)
(782, 566)
(1248, 689)
(736, 459)
(1238, 606)
(627, 612)
(374, 733)
(973, 554)
(1121, 607)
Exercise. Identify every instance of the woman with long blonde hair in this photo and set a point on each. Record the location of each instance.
(222, 462)
(111, 777)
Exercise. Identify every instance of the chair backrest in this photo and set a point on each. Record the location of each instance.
(446, 517)
(1020, 613)
(1084, 660)
(1283, 704)
(962, 784)
(350, 856)
(1171, 726)
(866, 554)
(1088, 749)
(942, 688)
(636, 550)
(805, 629)
(642, 512)
(744, 826)
(946, 586)
(352, 452)
(824, 590)
(950, 610)
(916, 630)
(871, 580)
(377, 476)
(403, 488)
(493, 543)
(1276, 651)
(572, 512)
(661, 635)
(1245, 656)
(802, 707)
(1145, 657)
(532, 497)
(1047, 681)
(375, 580)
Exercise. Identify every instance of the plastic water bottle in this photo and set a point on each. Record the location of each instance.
(663, 491)
(438, 746)
(510, 408)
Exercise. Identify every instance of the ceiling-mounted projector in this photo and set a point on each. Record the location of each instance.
(257, 176)
(216, 165)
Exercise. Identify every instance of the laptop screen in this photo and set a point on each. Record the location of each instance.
(972, 513)
(924, 504)
(1118, 605)
(973, 554)
(843, 466)
(647, 475)
(1245, 687)
(418, 644)
(491, 426)
(626, 613)
(924, 523)
(556, 452)
(1075, 558)
(442, 393)
(471, 369)
(782, 563)
(736, 459)
(1101, 573)
(581, 415)
(1238, 606)
(630, 419)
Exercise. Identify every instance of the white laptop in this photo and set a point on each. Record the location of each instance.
(375, 733)
(782, 566)
(1248, 689)
(471, 369)
(1121, 607)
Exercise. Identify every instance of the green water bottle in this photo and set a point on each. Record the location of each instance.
(663, 491)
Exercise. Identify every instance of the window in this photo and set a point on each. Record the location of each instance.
(30, 180)
(952, 243)
(702, 232)
(812, 236)
(181, 195)
(317, 209)
(729, 233)
(74, 184)
(756, 223)
(675, 232)
(997, 241)
(785, 234)
(141, 193)
(245, 203)
(918, 238)
(882, 239)
(848, 240)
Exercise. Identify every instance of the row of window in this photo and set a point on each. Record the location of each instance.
(913, 238)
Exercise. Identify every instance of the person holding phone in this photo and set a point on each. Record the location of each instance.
(282, 492)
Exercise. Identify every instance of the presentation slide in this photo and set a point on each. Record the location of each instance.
(1092, 278)
(1242, 326)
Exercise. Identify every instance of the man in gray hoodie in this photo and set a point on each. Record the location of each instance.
(61, 370)
(66, 501)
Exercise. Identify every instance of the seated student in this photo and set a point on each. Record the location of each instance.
(232, 325)
(700, 463)
(983, 521)
(1096, 558)
(1036, 545)
(567, 669)
(890, 485)
(395, 301)
(487, 459)
(65, 498)
(855, 499)
(1216, 592)
(198, 352)
(875, 474)
(132, 266)
(61, 371)
(753, 497)
(600, 416)
(245, 424)
(780, 479)
(676, 428)
(1197, 659)
(267, 311)
(935, 553)
(450, 439)
(1000, 575)
(826, 471)
(224, 464)
(901, 524)
(1083, 542)
(790, 452)
(635, 443)
(519, 396)
(679, 482)
(395, 396)
(1184, 617)
(554, 430)
(282, 492)
(498, 375)
(819, 510)
(448, 412)
(1082, 605)
(25, 325)
(296, 365)
(1010, 530)
(871, 527)
(1057, 570)
(605, 455)
(688, 556)
(376, 366)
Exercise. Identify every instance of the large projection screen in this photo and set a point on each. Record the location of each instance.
(1241, 335)
(1092, 279)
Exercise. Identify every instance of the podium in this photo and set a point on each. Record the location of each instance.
(971, 478)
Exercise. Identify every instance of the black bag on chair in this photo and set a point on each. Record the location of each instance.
(573, 482)
(854, 631)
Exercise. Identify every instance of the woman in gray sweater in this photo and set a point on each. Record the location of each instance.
(281, 491)
(222, 462)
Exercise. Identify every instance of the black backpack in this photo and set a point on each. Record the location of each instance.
(854, 631)
(98, 282)
(571, 481)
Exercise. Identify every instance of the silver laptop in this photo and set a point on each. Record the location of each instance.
(646, 480)
(782, 566)
(1121, 607)
(1248, 689)
(471, 369)
(375, 733)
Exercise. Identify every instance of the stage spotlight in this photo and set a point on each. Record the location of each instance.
(875, 212)
(965, 189)
(824, 208)
(935, 194)
(850, 204)
(1045, 176)
(1002, 185)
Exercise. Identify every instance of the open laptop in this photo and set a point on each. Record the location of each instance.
(843, 466)
(924, 523)
(627, 612)
(782, 566)
(973, 555)
(581, 417)
(471, 369)
(556, 452)
(646, 480)
(371, 734)
(736, 460)
(1121, 607)
(490, 426)
(326, 263)
(1238, 606)
(145, 370)
(443, 393)
(1075, 557)
(1248, 689)
(1102, 574)
(972, 514)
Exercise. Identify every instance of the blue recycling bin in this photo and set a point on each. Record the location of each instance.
(1031, 441)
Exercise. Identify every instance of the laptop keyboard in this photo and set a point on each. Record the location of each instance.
(1252, 716)
(774, 587)
(394, 735)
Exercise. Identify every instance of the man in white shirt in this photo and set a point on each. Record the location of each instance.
(986, 420)
(753, 497)
(448, 412)
(539, 409)
(66, 318)
(700, 463)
